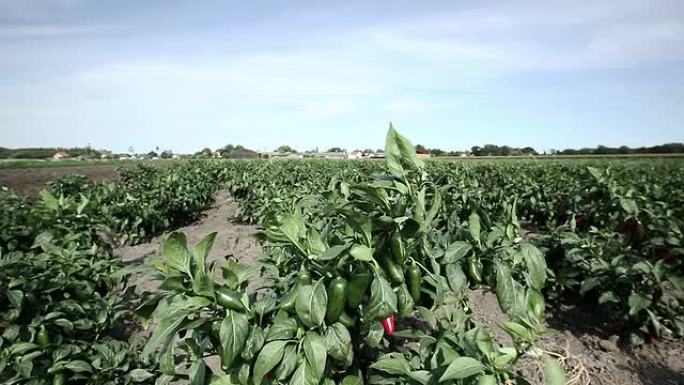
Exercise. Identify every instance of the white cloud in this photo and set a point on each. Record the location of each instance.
(328, 108)
(44, 30)
(406, 106)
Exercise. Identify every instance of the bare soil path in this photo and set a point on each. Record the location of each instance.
(233, 237)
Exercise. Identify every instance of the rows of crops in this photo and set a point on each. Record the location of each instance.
(364, 277)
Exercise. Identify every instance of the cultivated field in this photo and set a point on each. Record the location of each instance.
(395, 272)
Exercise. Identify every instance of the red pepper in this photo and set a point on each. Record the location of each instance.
(651, 339)
(267, 376)
(388, 324)
(669, 258)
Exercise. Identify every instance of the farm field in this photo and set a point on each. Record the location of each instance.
(395, 272)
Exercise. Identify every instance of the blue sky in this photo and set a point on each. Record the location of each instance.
(183, 75)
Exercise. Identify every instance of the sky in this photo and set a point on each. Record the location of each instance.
(183, 75)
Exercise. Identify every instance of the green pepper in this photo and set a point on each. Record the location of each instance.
(397, 247)
(58, 379)
(394, 272)
(474, 269)
(288, 301)
(357, 288)
(347, 320)
(405, 302)
(43, 337)
(414, 277)
(229, 299)
(304, 277)
(336, 299)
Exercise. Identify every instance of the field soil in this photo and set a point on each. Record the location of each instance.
(233, 237)
(589, 357)
(27, 181)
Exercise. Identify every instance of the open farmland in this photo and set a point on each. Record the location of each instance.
(395, 272)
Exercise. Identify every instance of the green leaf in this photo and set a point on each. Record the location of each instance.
(516, 330)
(351, 380)
(311, 304)
(428, 316)
(392, 363)
(536, 265)
(140, 375)
(203, 284)
(400, 154)
(254, 342)
(505, 288)
(456, 251)
(630, 206)
(456, 277)
(361, 253)
(608, 297)
(461, 367)
(79, 366)
(677, 281)
(315, 352)
(202, 250)
(535, 303)
(589, 284)
(423, 377)
(267, 359)
(283, 329)
(332, 252)
(175, 249)
(383, 301)
(637, 303)
(171, 316)
(233, 333)
(21, 348)
(553, 372)
(303, 375)
(288, 364)
(338, 342)
(49, 200)
(197, 373)
(487, 379)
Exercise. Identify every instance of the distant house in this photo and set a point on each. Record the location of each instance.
(377, 155)
(60, 155)
(423, 154)
(335, 155)
(107, 155)
(356, 154)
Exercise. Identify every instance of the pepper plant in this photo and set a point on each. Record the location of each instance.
(358, 286)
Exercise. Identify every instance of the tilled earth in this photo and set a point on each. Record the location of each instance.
(27, 181)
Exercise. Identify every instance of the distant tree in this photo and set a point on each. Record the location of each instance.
(437, 152)
(335, 149)
(152, 154)
(285, 148)
(229, 148)
(529, 151)
(421, 149)
(166, 154)
(130, 149)
(204, 153)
